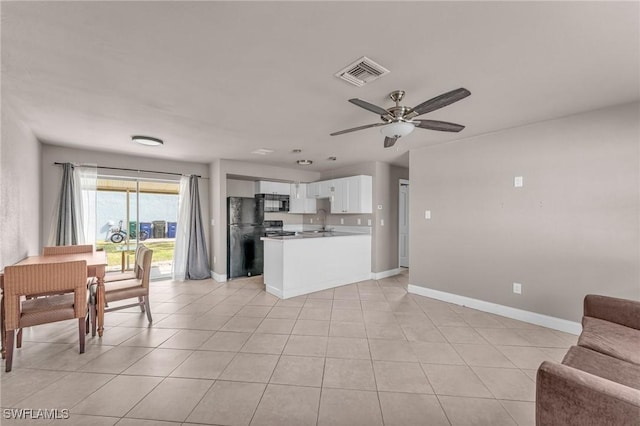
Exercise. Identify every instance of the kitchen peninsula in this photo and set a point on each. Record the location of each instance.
(314, 261)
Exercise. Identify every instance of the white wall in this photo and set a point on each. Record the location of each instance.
(573, 228)
(19, 190)
(240, 188)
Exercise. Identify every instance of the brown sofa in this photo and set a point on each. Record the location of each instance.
(598, 381)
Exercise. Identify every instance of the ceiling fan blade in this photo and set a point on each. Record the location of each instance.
(389, 142)
(442, 126)
(353, 129)
(439, 102)
(369, 107)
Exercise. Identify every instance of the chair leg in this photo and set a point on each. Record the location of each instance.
(4, 332)
(87, 320)
(94, 314)
(19, 339)
(141, 301)
(81, 332)
(148, 308)
(9, 346)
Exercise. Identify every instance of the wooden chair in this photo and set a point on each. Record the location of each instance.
(63, 295)
(127, 275)
(126, 289)
(83, 248)
(53, 250)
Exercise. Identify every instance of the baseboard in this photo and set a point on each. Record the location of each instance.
(505, 311)
(326, 285)
(385, 274)
(221, 278)
(273, 290)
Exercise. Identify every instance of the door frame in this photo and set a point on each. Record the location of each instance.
(401, 183)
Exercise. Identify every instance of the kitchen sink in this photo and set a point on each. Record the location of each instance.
(316, 233)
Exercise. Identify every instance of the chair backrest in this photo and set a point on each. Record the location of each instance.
(59, 277)
(52, 250)
(143, 264)
(139, 250)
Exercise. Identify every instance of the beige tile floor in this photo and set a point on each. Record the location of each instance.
(231, 354)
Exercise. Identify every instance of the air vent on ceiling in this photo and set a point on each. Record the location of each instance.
(362, 71)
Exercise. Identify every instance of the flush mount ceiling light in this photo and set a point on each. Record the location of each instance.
(262, 151)
(304, 162)
(147, 140)
(397, 129)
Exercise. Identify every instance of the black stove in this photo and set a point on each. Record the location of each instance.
(273, 228)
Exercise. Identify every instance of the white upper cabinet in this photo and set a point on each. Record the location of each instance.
(353, 195)
(299, 201)
(322, 189)
(266, 187)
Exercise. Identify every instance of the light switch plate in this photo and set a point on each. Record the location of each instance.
(369, 222)
(518, 182)
(427, 214)
(359, 221)
(213, 222)
(341, 221)
(381, 222)
(517, 288)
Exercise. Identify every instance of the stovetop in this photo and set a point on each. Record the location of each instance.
(273, 228)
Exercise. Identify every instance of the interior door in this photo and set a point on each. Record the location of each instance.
(403, 228)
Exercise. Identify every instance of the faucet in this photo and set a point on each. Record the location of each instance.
(323, 218)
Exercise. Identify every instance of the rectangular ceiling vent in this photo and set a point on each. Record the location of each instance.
(362, 71)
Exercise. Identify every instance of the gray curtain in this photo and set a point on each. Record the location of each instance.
(197, 256)
(65, 219)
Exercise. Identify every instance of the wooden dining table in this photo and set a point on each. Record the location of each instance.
(96, 267)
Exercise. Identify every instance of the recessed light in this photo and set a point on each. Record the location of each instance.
(304, 162)
(147, 140)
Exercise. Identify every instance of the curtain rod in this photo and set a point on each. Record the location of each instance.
(136, 170)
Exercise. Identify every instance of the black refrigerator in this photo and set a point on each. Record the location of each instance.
(245, 250)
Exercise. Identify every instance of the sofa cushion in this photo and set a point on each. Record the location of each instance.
(603, 366)
(611, 339)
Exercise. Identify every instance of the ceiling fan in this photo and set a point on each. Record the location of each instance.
(399, 121)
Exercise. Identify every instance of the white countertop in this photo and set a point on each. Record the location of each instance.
(313, 235)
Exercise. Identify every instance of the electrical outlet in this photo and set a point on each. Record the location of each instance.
(359, 221)
(518, 182)
(369, 222)
(517, 288)
(213, 222)
(341, 221)
(311, 220)
(214, 259)
(381, 222)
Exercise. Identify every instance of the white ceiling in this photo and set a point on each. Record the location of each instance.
(221, 79)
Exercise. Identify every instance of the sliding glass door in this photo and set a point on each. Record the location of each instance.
(134, 211)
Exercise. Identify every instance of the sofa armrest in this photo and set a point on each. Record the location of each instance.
(620, 311)
(568, 396)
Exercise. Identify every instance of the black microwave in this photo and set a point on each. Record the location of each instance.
(275, 202)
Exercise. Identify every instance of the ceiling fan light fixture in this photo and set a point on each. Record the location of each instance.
(147, 140)
(397, 129)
